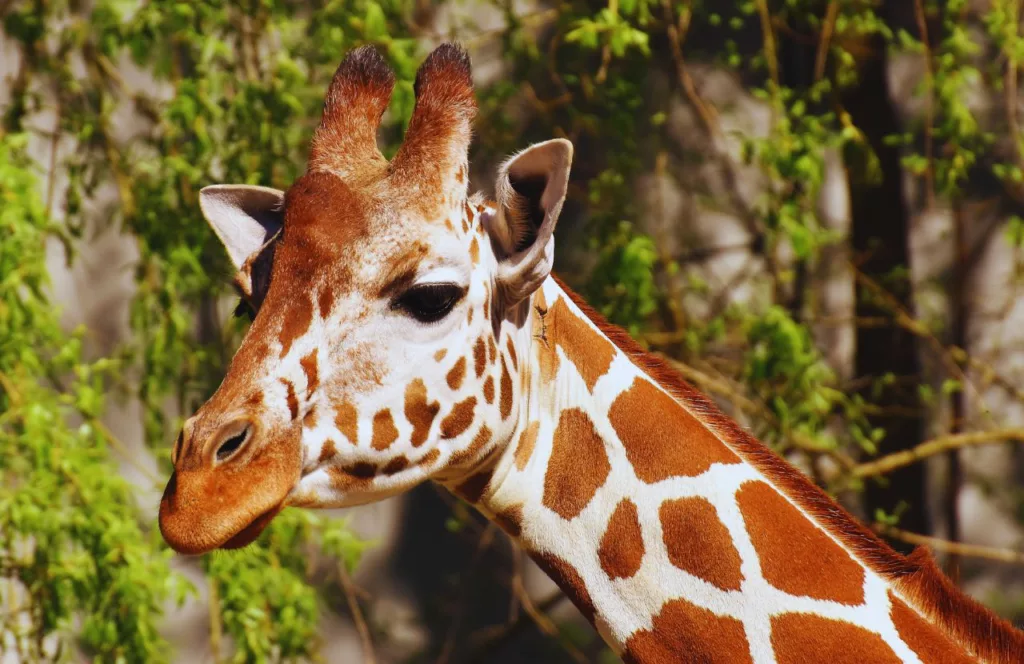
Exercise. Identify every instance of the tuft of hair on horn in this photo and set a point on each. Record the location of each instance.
(445, 79)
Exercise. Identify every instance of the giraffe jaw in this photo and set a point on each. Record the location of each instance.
(248, 535)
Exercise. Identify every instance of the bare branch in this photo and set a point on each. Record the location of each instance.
(958, 548)
(891, 462)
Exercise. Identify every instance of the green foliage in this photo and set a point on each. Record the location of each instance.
(239, 88)
(71, 546)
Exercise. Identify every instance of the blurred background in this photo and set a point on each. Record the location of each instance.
(815, 208)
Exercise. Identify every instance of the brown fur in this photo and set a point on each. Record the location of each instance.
(295, 324)
(796, 556)
(588, 351)
(512, 354)
(923, 638)
(347, 420)
(660, 439)
(684, 632)
(505, 397)
(459, 419)
(568, 579)
(798, 638)
(489, 389)
(527, 441)
(419, 411)
(961, 618)
(473, 489)
(384, 430)
(698, 543)
(456, 374)
(293, 400)
(479, 357)
(309, 367)
(396, 465)
(482, 438)
(622, 546)
(578, 466)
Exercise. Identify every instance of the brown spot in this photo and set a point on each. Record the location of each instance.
(473, 451)
(511, 520)
(578, 465)
(465, 225)
(925, 639)
(384, 430)
(590, 352)
(474, 251)
(469, 316)
(512, 354)
(661, 439)
(310, 418)
(547, 357)
(309, 367)
(489, 390)
(684, 632)
(487, 302)
(255, 399)
(622, 546)
(479, 356)
(396, 465)
(439, 355)
(347, 421)
(349, 477)
(459, 419)
(430, 457)
(699, 543)
(467, 209)
(456, 374)
(325, 301)
(568, 579)
(327, 451)
(799, 638)
(448, 224)
(505, 400)
(419, 411)
(473, 489)
(460, 175)
(492, 349)
(527, 441)
(293, 401)
(796, 556)
(296, 322)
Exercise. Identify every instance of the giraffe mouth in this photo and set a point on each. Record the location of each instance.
(248, 535)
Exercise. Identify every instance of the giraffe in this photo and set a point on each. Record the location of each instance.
(404, 330)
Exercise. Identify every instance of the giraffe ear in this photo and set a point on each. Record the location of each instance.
(530, 191)
(244, 217)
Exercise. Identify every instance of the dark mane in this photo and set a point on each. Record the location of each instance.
(916, 577)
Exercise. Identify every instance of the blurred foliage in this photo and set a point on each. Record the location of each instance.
(237, 92)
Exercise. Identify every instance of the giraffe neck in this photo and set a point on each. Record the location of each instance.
(678, 535)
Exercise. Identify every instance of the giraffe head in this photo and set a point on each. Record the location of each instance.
(380, 353)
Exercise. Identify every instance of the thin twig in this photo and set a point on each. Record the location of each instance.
(676, 35)
(827, 28)
(357, 613)
(958, 548)
(938, 445)
(929, 108)
(768, 34)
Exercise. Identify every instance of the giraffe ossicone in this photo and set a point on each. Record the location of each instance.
(405, 330)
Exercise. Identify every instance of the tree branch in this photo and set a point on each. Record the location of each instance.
(957, 548)
(890, 462)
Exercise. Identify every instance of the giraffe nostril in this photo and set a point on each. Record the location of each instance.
(232, 444)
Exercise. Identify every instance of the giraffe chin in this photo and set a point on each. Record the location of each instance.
(250, 533)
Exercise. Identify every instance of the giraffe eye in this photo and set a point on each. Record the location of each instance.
(429, 303)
